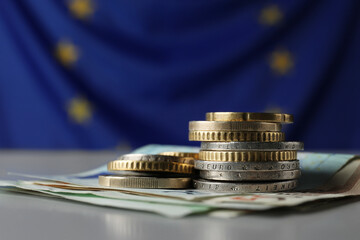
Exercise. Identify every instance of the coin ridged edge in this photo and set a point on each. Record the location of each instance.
(250, 117)
(248, 156)
(181, 154)
(158, 166)
(234, 126)
(144, 182)
(246, 166)
(229, 136)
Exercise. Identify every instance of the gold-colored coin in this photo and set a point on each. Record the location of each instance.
(250, 117)
(248, 156)
(234, 126)
(181, 154)
(143, 182)
(150, 166)
(232, 136)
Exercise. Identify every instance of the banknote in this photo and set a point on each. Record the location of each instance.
(325, 176)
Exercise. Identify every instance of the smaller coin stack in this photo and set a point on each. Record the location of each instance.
(168, 170)
(245, 152)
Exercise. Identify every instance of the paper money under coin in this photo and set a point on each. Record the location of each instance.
(318, 182)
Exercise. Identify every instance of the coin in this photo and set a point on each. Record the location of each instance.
(143, 182)
(253, 146)
(250, 117)
(181, 154)
(250, 175)
(254, 156)
(231, 136)
(234, 126)
(149, 174)
(251, 166)
(231, 187)
(155, 158)
(150, 166)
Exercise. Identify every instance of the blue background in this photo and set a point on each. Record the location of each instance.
(106, 74)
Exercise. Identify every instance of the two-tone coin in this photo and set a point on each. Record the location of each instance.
(247, 166)
(252, 146)
(232, 136)
(233, 187)
(246, 156)
(144, 182)
(250, 175)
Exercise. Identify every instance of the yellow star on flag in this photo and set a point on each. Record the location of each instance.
(82, 9)
(67, 53)
(79, 110)
(270, 15)
(281, 62)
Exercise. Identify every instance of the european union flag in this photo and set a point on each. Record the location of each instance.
(99, 74)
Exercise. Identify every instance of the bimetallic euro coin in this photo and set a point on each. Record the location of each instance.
(247, 156)
(253, 146)
(232, 136)
(247, 166)
(144, 182)
(234, 126)
(250, 175)
(155, 158)
(231, 187)
(250, 117)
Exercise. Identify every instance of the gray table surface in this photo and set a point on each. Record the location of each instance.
(30, 217)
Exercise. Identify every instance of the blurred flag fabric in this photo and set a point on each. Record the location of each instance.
(103, 74)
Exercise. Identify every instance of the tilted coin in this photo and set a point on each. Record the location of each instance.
(243, 166)
(181, 154)
(250, 175)
(246, 156)
(234, 126)
(155, 158)
(253, 146)
(143, 182)
(249, 117)
(232, 187)
(150, 166)
(231, 136)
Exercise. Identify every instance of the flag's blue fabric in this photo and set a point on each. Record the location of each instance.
(99, 74)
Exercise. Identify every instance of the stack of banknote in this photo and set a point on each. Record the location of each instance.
(245, 152)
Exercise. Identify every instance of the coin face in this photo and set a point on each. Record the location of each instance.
(247, 166)
(232, 136)
(231, 187)
(249, 117)
(250, 175)
(143, 182)
(246, 156)
(253, 146)
(234, 126)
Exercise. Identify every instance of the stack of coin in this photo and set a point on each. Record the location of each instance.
(171, 170)
(245, 152)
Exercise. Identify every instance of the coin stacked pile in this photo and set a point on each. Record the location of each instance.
(245, 152)
(171, 170)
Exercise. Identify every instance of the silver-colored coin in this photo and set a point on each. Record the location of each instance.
(247, 166)
(244, 187)
(155, 157)
(253, 146)
(233, 126)
(143, 182)
(250, 175)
